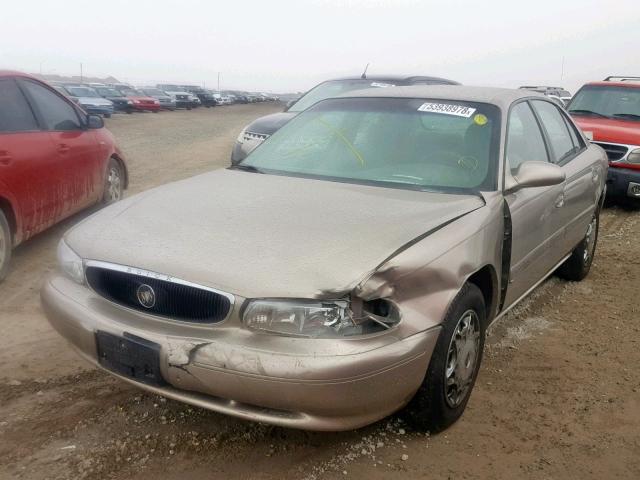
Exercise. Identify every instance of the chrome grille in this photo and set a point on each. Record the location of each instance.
(614, 152)
(172, 298)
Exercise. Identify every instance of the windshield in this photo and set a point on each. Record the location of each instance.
(153, 91)
(108, 92)
(604, 101)
(334, 88)
(130, 92)
(82, 92)
(395, 142)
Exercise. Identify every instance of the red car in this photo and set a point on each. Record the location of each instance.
(55, 160)
(141, 102)
(609, 114)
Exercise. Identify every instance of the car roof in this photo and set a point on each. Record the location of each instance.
(613, 83)
(399, 78)
(502, 97)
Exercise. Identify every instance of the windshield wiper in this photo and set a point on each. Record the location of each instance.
(246, 168)
(588, 112)
(627, 115)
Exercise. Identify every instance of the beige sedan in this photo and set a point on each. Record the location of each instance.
(347, 268)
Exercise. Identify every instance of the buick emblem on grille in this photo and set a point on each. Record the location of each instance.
(146, 296)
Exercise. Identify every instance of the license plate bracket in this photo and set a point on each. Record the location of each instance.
(130, 356)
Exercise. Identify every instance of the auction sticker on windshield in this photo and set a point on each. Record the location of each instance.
(447, 109)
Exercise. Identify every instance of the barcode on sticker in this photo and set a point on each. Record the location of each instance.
(382, 85)
(447, 109)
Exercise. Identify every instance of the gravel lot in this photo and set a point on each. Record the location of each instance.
(558, 396)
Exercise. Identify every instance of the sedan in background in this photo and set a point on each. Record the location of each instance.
(259, 130)
(348, 268)
(140, 101)
(89, 100)
(120, 102)
(166, 101)
(55, 160)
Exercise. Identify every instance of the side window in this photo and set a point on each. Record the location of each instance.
(557, 129)
(15, 113)
(56, 112)
(575, 138)
(524, 138)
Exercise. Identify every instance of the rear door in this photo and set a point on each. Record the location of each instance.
(78, 150)
(533, 210)
(28, 162)
(583, 174)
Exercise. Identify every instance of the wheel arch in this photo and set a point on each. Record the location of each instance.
(486, 279)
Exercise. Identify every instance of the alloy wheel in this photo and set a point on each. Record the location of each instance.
(4, 245)
(114, 185)
(462, 358)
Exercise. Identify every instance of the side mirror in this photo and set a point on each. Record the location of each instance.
(534, 174)
(94, 122)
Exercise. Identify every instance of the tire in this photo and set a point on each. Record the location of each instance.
(577, 266)
(6, 245)
(114, 183)
(435, 405)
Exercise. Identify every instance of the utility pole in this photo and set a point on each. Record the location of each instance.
(81, 81)
(562, 70)
(218, 81)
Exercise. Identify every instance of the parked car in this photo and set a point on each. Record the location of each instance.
(257, 131)
(388, 231)
(120, 102)
(558, 93)
(89, 100)
(166, 101)
(205, 98)
(55, 160)
(140, 102)
(609, 113)
(182, 99)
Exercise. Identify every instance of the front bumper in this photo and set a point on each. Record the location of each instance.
(146, 107)
(292, 382)
(623, 182)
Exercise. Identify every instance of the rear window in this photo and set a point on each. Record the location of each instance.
(15, 113)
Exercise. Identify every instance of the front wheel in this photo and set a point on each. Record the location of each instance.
(5, 246)
(577, 266)
(114, 184)
(454, 365)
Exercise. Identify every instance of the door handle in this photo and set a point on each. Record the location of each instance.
(63, 148)
(560, 201)
(595, 175)
(5, 157)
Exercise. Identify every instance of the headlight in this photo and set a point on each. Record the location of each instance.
(240, 138)
(316, 318)
(634, 156)
(129, 102)
(156, 102)
(136, 101)
(70, 262)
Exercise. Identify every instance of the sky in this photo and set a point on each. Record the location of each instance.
(291, 45)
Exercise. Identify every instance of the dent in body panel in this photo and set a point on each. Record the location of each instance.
(424, 279)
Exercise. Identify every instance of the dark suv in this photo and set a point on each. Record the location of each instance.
(262, 128)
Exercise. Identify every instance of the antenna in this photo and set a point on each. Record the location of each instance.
(364, 74)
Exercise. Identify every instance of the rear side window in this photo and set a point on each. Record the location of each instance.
(562, 143)
(56, 113)
(524, 138)
(15, 113)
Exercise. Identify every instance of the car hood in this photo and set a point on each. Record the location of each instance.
(140, 98)
(610, 130)
(270, 124)
(93, 101)
(259, 235)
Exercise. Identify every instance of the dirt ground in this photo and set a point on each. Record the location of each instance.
(558, 396)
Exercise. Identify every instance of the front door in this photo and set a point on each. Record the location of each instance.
(533, 210)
